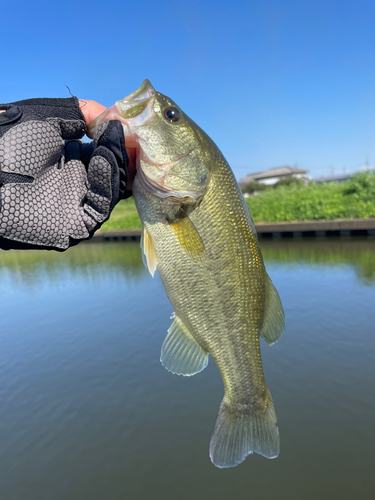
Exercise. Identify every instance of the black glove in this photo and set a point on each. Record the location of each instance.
(53, 193)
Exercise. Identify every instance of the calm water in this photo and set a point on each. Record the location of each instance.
(88, 412)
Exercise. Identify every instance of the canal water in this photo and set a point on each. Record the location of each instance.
(88, 412)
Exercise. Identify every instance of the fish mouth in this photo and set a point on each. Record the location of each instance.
(134, 105)
(145, 91)
(133, 110)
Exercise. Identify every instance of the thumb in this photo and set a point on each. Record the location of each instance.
(90, 109)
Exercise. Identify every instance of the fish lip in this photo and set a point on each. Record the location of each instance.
(145, 91)
(129, 110)
(137, 102)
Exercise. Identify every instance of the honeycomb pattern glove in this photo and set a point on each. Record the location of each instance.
(54, 190)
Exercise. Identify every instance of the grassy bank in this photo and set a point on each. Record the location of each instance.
(352, 199)
(124, 216)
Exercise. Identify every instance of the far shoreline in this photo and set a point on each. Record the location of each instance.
(326, 227)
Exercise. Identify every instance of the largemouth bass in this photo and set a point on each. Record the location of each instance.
(198, 233)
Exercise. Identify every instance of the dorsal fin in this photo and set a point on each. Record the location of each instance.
(274, 321)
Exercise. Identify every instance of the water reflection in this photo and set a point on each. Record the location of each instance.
(87, 412)
(356, 252)
(90, 260)
(96, 259)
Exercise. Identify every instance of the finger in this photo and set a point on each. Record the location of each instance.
(90, 109)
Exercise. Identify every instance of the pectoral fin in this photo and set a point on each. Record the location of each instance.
(188, 237)
(148, 252)
(180, 353)
(274, 322)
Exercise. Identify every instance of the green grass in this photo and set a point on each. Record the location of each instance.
(352, 199)
(124, 216)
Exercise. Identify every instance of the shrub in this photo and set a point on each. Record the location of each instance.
(361, 185)
(287, 181)
(253, 187)
(351, 199)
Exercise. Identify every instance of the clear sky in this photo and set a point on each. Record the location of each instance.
(273, 82)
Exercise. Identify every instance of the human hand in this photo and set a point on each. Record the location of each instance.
(55, 190)
(90, 109)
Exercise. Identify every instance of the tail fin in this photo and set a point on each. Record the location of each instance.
(241, 430)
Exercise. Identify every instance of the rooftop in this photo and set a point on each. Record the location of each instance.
(272, 172)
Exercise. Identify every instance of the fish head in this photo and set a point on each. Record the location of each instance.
(174, 156)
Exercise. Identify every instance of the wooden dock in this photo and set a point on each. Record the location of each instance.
(298, 229)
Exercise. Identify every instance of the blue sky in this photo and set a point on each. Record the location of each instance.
(273, 82)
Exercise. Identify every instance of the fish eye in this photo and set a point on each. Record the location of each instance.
(172, 114)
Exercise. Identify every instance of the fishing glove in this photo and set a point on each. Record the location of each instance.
(55, 190)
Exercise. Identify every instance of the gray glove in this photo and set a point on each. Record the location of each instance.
(54, 193)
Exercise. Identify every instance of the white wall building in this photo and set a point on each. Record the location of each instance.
(273, 175)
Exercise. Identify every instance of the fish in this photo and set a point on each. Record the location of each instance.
(198, 233)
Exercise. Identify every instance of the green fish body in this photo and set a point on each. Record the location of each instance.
(198, 233)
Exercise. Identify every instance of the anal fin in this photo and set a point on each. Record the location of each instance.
(180, 353)
(274, 321)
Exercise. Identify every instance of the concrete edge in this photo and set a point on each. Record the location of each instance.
(318, 226)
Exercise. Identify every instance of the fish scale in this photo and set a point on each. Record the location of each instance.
(198, 233)
(237, 292)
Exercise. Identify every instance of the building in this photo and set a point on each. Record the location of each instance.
(273, 175)
(333, 178)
